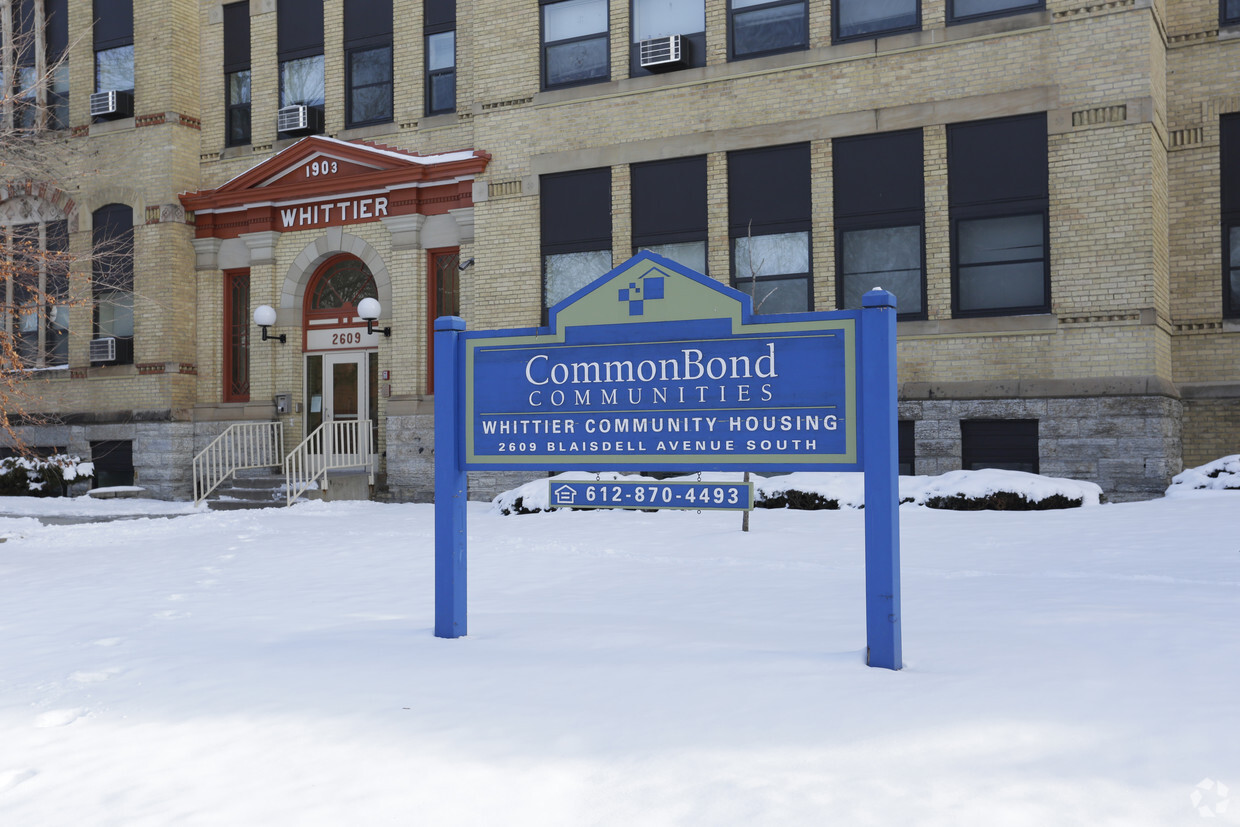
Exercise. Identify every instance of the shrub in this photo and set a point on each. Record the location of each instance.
(1003, 501)
(35, 477)
(799, 500)
(517, 506)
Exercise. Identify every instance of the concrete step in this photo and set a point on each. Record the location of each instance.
(242, 505)
(251, 488)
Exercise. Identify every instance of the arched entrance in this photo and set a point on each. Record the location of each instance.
(342, 359)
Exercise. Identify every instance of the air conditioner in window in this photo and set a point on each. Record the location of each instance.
(660, 53)
(103, 350)
(113, 103)
(299, 119)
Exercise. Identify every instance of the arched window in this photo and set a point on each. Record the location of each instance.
(112, 277)
(340, 284)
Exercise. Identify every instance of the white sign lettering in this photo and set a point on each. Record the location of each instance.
(334, 212)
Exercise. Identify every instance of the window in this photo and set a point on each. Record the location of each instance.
(368, 65)
(19, 51)
(906, 447)
(34, 291)
(1229, 169)
(1229, 11)
(237, 73)
(575, 42)
(443, 299)
(1007, 444)
(56, 43)
(299, 30)
(340, 284)
(113, 463)
(760, 27)
(959, 11)
(769, 225)
(669, 209)
(867, 18)
(35, 47)
(440, 32)
(998, 197)
(237, 336)
(575, 215)
(113, 35)
(112, 276)
(660, 18)
(879, 219)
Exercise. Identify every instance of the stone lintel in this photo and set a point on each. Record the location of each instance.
(1041, 388)
(1210, 390)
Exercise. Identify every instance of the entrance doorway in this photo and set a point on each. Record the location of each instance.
(342, 387)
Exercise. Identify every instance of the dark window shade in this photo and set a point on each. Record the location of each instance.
(958, 10)
(367, 22)
(438, 15)
(907, 446)
(56, 21)
(236, 37)
(1229, 163)
(998, 160)
(112, 221)
(576, 210)
(878, 174)
(299, 28)
(1010, 444)
(112, 237)
(768, 190)
(23, 32)
(23, 19)
(669, 200)
(113, 24)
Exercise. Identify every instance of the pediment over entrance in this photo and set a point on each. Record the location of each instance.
(324, 182)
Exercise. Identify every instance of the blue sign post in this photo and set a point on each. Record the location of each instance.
(654, 367)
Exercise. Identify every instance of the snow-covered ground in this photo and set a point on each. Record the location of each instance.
(277, 667)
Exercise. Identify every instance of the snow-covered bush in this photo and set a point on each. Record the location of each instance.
(1220, 475)
(987, 489)
(34, 477)
(990, 489)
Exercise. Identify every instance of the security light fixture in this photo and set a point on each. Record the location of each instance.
(265, 317)
(369, 310)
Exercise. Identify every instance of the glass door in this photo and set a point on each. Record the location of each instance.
(339, 389)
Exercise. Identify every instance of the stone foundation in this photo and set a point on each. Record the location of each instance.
(163, 452)
(411, 463)
(1129, 445)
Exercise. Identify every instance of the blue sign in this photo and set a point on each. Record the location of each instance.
(656, 367)
(715, 496)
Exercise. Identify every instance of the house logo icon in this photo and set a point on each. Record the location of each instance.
(644, 288)
(565, 495)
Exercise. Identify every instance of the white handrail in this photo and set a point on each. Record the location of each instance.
(241, 445)
(332, 445)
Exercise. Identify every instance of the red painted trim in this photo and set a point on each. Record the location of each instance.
(227, 373)
(361, 172)
(432, 308)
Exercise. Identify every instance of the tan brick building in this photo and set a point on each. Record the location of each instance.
(1050, 189)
